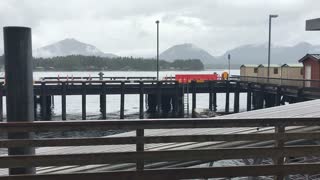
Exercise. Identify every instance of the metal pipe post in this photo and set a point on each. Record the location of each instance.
(157, 22)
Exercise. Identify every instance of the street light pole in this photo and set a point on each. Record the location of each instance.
(157, 22)
(229, 57)
(269, 43)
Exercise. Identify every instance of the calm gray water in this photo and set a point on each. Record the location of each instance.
(131, 101)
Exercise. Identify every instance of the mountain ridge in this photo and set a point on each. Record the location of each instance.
(70, 46)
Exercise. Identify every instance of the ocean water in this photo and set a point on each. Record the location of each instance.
(131, 101)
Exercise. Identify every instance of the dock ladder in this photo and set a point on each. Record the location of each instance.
(185, 90)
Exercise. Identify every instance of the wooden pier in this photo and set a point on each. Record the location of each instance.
(168, 95)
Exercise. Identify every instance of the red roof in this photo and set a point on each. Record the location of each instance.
(310, 56)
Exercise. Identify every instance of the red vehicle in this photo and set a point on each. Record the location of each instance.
(187, 78)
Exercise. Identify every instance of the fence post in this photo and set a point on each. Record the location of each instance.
(19, 84)
(279, 144)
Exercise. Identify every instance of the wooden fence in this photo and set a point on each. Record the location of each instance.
(278, 152)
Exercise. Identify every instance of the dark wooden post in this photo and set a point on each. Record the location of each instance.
(140, 132)
(279, 144)
(227, 95)
(236, 98)
(19, 85)
(179, 100)
(141, 100)
(63, 101)
(278, 96)
(122, 100)
(84, 101)
(194, 99)
(159, 93)
(43, 101)
(249, 95)
(210, 84)
(103, 101)
(1, 102)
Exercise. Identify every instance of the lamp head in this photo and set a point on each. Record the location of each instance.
(273, 15)
(157, 21)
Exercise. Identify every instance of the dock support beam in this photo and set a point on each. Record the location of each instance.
(236, 98)
(278, 96)
(158, 99)
(249, 95)
(19, 84)
(140, 132)
(84, 101)
(194, 99)
(64, 101)
(43, 98)
(141, 100)
(1, 102)
(103, 101)
(211, 95)
(122, 101)
(227, 96)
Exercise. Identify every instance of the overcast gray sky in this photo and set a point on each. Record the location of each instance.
(127, 27)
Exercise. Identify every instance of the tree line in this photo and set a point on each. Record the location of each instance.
(93, 63)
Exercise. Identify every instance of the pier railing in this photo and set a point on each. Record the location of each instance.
(279, 81)
(278, 148)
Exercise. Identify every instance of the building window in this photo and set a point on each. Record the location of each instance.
(301, 71)
(255, 70)
(275, 70)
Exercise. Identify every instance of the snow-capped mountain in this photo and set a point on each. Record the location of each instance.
(186, 51)
(70, 47)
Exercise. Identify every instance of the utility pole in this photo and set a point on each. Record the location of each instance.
(269, 42)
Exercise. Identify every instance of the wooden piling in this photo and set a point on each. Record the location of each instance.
(140, 132)
(63, 101)
(179, 106)
(103, 101)
(84, 101)
(19, 88)
(249, 96)
(44, 113)
(141, 100)
(227, 96)
(194, 99)
(122, 100)
(159, 92)
(236, 103)
(210, 83)
(278, 96)
(1, 102)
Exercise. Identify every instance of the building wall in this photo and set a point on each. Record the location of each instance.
(247, 71)
(291, 73)
(263, 72)
(315, 67)
(315, 74)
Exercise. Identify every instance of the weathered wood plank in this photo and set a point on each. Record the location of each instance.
(156, 124)
(140, 139)
(152, 156)
(182, 173)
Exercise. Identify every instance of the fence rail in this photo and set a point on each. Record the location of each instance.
(279, 151)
